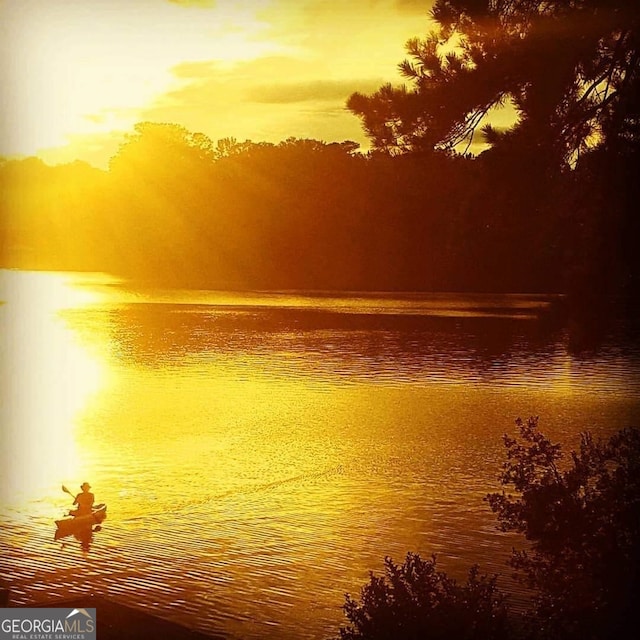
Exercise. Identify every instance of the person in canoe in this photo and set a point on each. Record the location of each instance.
(84, 501)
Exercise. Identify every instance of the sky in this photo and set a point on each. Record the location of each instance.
(78, 74)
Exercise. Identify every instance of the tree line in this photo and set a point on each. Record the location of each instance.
(177, 209)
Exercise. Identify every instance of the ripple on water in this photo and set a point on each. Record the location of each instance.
(273, 456)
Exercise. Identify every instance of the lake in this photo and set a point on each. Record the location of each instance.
(260, 453)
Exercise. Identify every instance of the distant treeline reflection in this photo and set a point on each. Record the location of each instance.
(439, 344)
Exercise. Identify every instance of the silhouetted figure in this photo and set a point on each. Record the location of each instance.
(84, 501)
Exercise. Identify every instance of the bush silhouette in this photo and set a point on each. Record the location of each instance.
(415, 601)
(581, 516)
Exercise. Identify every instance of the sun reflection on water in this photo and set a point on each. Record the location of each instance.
(46, 378)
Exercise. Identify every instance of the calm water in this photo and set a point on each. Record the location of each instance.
(260, 453)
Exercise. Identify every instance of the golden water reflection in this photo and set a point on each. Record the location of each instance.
(46, 380)
(260, 453)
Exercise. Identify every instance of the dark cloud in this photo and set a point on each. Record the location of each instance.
(276, 66)
(315, 90)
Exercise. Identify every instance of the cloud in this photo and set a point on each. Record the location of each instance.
(191, 70)
(415, 6)
(246, 101)
(359, 38)
(310, 91)
(326, 51)
(256, 69)
(96, 118)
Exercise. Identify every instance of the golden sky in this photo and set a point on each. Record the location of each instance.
(77, 74)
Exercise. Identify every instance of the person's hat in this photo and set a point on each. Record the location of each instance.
(85, 484)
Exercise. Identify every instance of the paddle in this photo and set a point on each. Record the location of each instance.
(67, 491)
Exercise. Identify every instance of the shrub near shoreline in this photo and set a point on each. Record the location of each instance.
(581, 516)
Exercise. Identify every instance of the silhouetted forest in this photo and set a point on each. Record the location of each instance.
(304, 214)
(549, 206)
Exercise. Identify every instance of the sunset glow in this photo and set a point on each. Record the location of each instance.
(81, 74)
(46, 380)
(306, 291)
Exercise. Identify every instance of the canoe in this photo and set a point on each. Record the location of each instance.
(72, 524)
